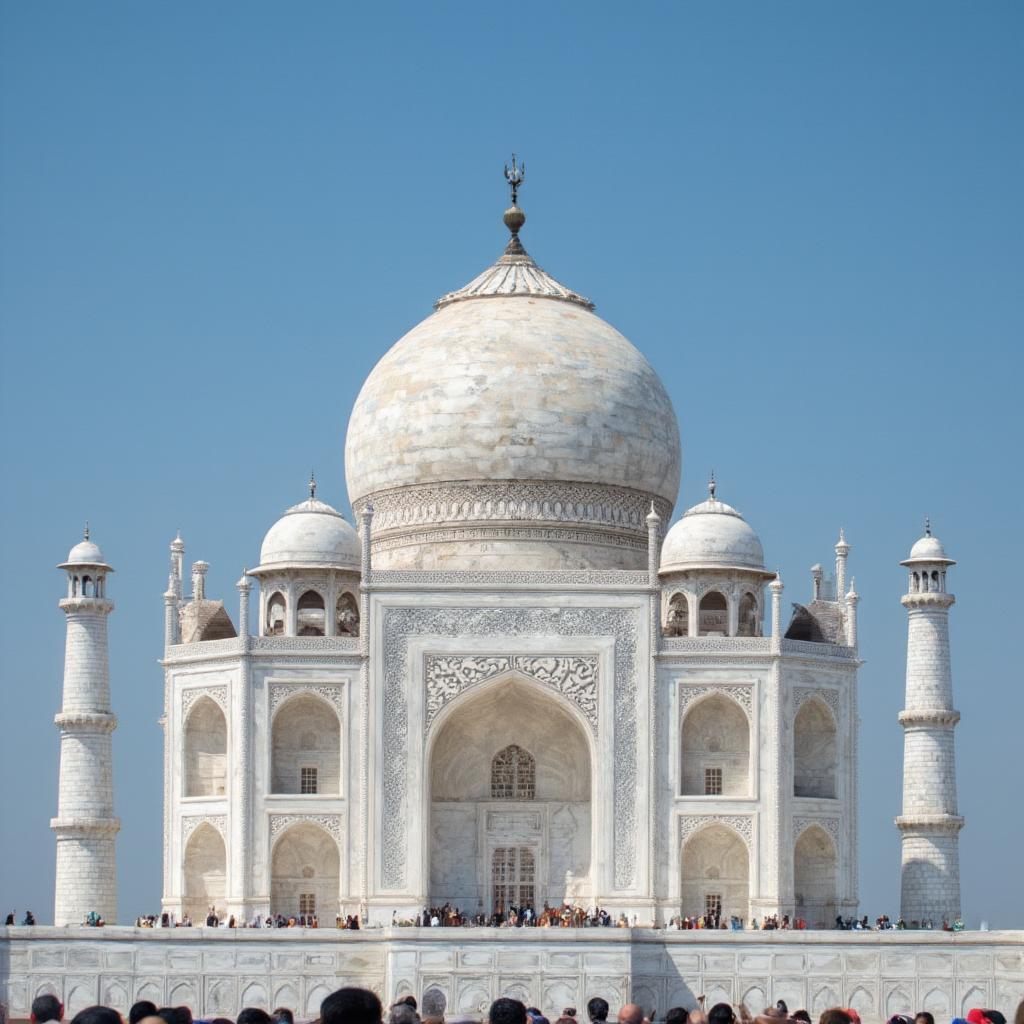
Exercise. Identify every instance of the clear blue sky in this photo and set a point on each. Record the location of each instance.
(217, 217)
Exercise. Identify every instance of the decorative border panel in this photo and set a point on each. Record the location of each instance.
(193, 821)
(448, 675)
(280, 692)
(742, 693)
(280, 823)
(691, 824)
(398, 625)
(218, 694)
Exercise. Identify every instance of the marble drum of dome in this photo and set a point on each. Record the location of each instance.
(514, 429)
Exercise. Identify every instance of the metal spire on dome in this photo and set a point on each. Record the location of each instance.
(515, 273)
(312, 485)
(85, 532)
(927, 526)
(712, 485)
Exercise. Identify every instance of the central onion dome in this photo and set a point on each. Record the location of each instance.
(513, 428)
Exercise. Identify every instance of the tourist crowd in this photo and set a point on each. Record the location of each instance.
(565, 916)
(361, 1006)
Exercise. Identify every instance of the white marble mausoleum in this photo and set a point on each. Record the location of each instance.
(519, 678)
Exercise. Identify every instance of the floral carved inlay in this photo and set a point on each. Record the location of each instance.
(218, 694)
(801, 824)
(743, 694)
(280, 692)
(330, 823)
(192, 822)
(803, 693)
(691, 824)
(574, 676)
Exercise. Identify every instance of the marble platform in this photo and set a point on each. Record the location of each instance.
(216, 972)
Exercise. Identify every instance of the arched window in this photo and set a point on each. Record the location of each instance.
(311, 620)
(305, 747)
(678, 621)
(716, 749)
(347, 616)
(715, 873)
(713, 618)
(74, 587)
(85, 586)
(814, 751)
(935, 582)
(205, 870)
(814, 877)
(304, 873)
(513, 774)
(915, 586)
(748, 623)
(276, 614)
(206, 747)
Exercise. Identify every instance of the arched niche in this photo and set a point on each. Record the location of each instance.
(346, 615)
(305, 747)
(814, 750)
(749, 623)
(310, 615)
(715, 873)
(305, 873)
(277, 615)
(206, 750)
(677, 621)
(509, 724)
(814, 877)
(715, 748)
(205, 874)
(713, 615)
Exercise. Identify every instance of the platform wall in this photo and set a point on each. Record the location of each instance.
(218, 972)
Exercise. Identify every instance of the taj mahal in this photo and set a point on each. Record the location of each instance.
(519, 678)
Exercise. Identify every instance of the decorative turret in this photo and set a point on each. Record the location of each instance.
(86, 880)
(929, 824)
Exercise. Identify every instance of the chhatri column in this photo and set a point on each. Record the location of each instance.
(85, 825)
(929, 824)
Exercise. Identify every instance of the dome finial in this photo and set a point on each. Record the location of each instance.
(712, 485)
(312, 485)
(514, 217)
(927, 526)
(85, 532)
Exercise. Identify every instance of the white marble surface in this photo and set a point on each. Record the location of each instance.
(219, 971)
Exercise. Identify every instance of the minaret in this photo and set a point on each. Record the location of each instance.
(929, 824)
(85, 823)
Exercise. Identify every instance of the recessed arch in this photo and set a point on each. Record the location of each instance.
(468, 824)
(713, 614)
(715, 872)
(305, 747)
(715, 748)
(310, 614)
(814, 877)
(749, 623)
(206, 749)
(814, 750)
(346, 615)
(677, 620)
(205, 874)
(277, 615)
(305, 873)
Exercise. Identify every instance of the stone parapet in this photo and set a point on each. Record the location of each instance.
(216, 972)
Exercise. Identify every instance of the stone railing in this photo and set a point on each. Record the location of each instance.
(818, 650)
(716, 645)
(232, 647)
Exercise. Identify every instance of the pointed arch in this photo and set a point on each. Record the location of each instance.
(814, 750)
(715, 872)
(749, 623)
(814, 877)
(346, 615)
(715, 748)
(204, 867)
(305, 872)
(305, 746)
(276, 622)
(713, 614)
(206, 749)
(677, 620)
(310, 614)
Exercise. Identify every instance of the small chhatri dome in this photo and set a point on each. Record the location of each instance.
(311, 533)
(85, 552)
(712, 535)
(928, 549)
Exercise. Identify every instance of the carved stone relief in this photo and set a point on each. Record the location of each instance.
(279, 692)
(742, 693)
(448, 675)
(330, 823)
(193, 821)
(218, 694)
(400, 624)
(829, 696)
(690, 824)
